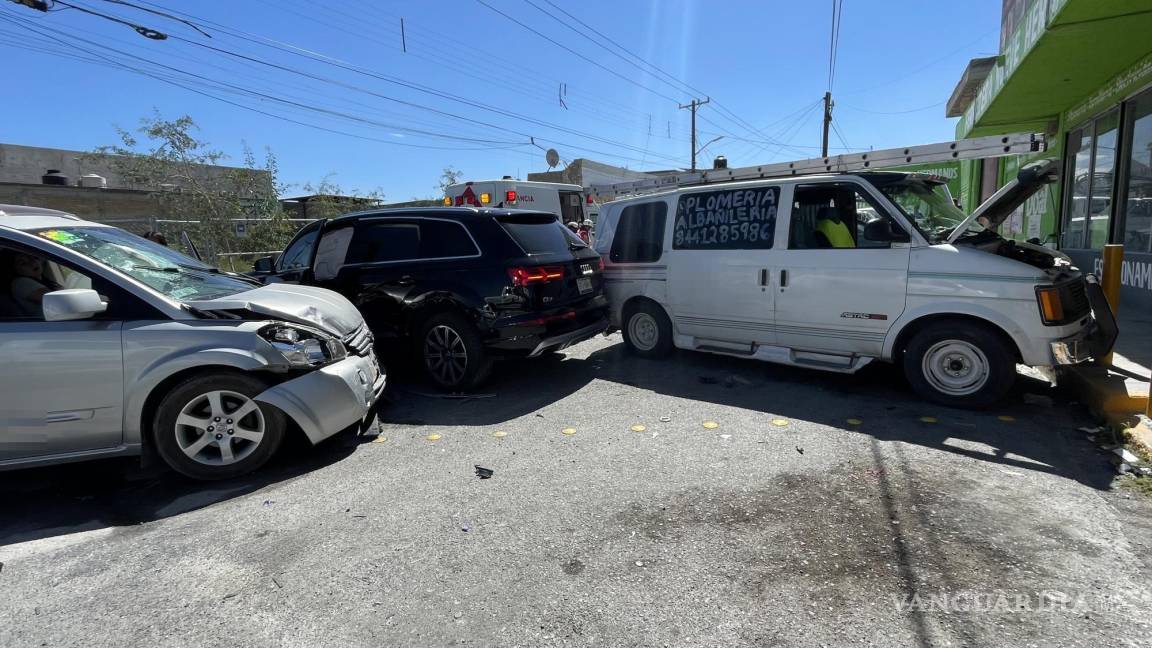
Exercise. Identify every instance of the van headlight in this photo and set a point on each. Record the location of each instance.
(303, 347)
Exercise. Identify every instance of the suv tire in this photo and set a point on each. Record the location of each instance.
(198, 433)
(960, 364)
(451, 352)
(647, 330)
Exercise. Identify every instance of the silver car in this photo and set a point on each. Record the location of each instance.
(112, 345)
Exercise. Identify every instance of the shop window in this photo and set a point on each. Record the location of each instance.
(1137, 195)
(1077, 185)
(1103, 177)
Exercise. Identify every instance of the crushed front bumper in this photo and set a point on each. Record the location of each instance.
(332, 398)
(1094, 340)
(565, 340)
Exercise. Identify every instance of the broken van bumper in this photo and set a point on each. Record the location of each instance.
(1094, 340)
(332, 398)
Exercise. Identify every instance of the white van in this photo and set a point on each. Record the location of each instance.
(564, 200)
(835, 271)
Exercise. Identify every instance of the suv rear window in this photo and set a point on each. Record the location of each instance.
(540, 234)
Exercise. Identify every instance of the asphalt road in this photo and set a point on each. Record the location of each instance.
(819, 510)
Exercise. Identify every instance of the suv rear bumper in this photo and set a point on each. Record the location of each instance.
(531, 334)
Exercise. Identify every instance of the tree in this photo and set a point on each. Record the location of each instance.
(225, 210)
(448, 177)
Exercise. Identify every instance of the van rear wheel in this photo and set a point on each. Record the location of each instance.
(960, 364)
(647, 331)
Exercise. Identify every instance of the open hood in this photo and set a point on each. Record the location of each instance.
(308, 305)
(1032, 177)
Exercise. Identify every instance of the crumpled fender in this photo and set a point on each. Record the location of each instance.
(327, 400)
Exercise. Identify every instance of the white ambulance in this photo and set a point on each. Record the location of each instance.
(833, 271)
(565, 200)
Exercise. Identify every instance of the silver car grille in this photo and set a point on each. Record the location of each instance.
(359, 342)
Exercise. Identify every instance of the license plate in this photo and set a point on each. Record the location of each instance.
(584, 284)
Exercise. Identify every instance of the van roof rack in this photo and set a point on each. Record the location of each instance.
(964, 149)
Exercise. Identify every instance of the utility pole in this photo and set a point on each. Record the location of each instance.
(696, 103)
(827, 123)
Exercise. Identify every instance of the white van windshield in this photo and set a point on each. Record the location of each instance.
(928, 205)
(161, 268)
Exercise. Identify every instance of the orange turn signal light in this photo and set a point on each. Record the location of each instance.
(1051, 309)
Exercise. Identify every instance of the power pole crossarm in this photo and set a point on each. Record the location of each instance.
(696, 103)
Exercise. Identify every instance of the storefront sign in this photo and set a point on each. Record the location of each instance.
(1135, 276)
(1029, 30)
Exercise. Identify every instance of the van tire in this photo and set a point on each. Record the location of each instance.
(647, 330)
(452, 334)
(198, 398)
(960, 364)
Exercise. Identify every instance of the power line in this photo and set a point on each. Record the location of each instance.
(894, 112)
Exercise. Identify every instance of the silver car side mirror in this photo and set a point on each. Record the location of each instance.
(72, 304)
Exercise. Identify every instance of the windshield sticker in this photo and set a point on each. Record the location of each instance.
(61, 237)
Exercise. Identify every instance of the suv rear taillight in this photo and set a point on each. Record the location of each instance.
(535, 275)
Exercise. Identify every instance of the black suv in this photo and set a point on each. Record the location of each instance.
(458, 285)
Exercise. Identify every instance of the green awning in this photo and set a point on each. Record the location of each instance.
(1061, 52)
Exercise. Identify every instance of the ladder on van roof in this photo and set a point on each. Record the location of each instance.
(965, 149)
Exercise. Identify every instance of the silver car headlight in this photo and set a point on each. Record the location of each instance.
(304, 347)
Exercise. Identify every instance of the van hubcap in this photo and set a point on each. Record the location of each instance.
(219, 428)
(445, 354)
(955, 367)
(644, 332)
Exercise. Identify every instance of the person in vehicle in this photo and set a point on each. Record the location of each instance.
(831, 231)
(29, 285)
(585, 231)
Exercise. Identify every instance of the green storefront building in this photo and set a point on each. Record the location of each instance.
(1081, 72)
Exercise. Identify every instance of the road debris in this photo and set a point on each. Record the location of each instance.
(277, 583)
(499, 434)
(780, 422)
(725, 436)
(799, 449)
(927, 419)
(568, 431)
(665, 419)
(638, 428)
(433, 437)
(380, 438)
(711, 425)
(853, 421)
(1006, 418)
(483, 473)
(269, 502)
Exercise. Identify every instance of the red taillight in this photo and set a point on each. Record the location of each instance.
(536, 274)
(589, 199)
(600, 264)
(510, 196)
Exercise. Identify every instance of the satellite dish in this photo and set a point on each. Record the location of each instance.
(552, 158)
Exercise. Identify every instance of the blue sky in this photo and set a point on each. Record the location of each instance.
(476, 86)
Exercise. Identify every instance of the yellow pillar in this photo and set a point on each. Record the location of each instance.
(1110, 282)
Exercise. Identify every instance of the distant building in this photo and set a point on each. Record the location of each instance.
(589, 172)
(316, 206)
(91, 185)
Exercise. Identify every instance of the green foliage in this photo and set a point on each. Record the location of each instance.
(223, 210)
(449, 177)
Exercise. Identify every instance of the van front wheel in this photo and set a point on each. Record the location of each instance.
(647, 331)
(960, 364)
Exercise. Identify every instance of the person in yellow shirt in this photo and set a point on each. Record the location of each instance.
(830, 228)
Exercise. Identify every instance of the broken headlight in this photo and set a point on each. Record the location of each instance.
(303, 347)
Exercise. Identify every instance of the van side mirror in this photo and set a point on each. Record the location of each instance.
(263, 265)
(72, 304)
(882, 231)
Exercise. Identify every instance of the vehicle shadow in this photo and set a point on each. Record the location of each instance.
(70, 498)
(1040, 434)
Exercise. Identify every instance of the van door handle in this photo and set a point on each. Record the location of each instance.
(783, 278)
(764, 276)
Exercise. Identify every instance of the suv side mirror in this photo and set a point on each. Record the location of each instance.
(73, 304)
(263, 265)
(882, 231)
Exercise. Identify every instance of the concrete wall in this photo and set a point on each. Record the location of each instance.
(132, 210)
(25, 164)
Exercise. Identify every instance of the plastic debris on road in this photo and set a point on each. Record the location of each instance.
(853, 421)
(927, 419)
(665, 419)
(433, 437)
(711, 425)
(499, 434)
(483, 473)
(799, 449)
(638, 428)
(779, 422)
(1006, 418)
(568, 431)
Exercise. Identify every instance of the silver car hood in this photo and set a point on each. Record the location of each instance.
(308, 305)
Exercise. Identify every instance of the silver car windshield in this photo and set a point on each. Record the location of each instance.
(165, 270)
(928, 206)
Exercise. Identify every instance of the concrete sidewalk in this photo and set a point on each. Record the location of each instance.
(1119, 393)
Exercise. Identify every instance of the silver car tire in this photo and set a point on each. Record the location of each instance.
(209, 427)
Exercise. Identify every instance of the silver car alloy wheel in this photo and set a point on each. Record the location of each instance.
(644, 331)
(445, 354)
(955, 367)
(219, 428)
